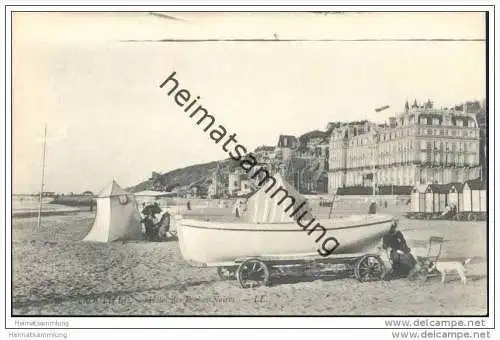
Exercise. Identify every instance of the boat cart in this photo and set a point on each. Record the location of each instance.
(260, 270)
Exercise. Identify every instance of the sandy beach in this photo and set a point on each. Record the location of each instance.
(54, 273)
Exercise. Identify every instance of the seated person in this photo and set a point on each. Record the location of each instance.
(164, 226)
(403, 262)
(149, 212)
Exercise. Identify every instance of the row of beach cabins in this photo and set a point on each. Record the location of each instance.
(466, 201)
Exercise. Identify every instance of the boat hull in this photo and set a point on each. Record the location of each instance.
(219, 243)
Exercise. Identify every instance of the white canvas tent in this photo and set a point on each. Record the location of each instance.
(117, 217)
(263, 208)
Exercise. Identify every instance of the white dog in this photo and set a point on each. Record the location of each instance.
(447, 267)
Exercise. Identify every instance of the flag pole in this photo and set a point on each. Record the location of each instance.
(375, 152)
(43, 177)
(333, 201)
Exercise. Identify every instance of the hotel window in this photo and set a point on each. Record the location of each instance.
(423, 121)
(459, 122)
(435, 121)
(441, 132)
(453, 133)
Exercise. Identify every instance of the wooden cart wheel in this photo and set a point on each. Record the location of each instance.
(369, 268)
(253, 273)
(471, 217)
(226, 273)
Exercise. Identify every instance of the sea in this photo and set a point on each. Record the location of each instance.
(29, 203)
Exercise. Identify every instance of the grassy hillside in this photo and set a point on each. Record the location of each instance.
(200, 174)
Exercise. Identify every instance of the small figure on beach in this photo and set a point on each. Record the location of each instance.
(373, 208)
(450, 211)
(403, 262)
(385, 204)
(188, 205)
(238, 207)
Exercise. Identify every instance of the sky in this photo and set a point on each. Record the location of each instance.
(93, 79)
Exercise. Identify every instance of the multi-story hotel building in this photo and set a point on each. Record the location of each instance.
(420, 145)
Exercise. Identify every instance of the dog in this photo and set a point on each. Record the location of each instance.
(446, 267)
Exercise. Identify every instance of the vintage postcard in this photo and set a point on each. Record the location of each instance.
(251, 163)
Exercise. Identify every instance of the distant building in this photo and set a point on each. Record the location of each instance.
(158, 182)
(286, 145)
(234, 182)
(287, 141)
(217, 188)
(483, 145)
(245, 186)
(265, 153)
(420, 145)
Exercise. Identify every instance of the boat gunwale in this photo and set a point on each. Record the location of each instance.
(183, 223)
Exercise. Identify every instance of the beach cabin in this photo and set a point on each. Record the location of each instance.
(455, 195)
(436, 198)
(417, 196)
(474, 194)
(483, 198)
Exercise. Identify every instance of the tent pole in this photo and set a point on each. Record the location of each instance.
(43, 177)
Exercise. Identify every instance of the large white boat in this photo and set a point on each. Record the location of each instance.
(210, 243)
(270, 228)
